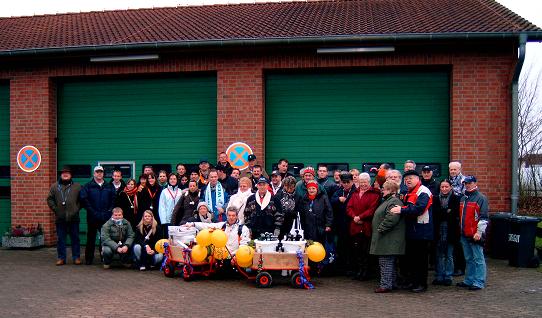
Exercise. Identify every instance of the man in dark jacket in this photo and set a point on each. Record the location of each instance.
(229, 183)
(428, 181)
(261, 215)
(117, 182)
(117, 238)
(419, 229)
(339, 201)
(63, 200)
(323, 180)
(224, 164)
(284, 201)
(98, 198)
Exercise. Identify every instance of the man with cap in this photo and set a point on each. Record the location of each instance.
(63, 200)
(98, 198)
(256, 174)
(249, 171)
(204, 167)
(473, 217)
(339, 201)
(419, 229)
(215, 196)
(229, 183)
(261, 214)
(276, 182)
(428, 181)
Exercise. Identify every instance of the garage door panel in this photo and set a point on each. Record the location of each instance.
(357, 117)
(151, 120)
(5, 203)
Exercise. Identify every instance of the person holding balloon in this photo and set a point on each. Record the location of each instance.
(147, 234)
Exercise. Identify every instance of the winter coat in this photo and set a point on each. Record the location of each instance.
(168, 198)
(112, 234)
(185, 208)
(315, 216)
(126, 203)
(120, 188)
(230, 185)
(341, 220)
(227, 167)
(98, 201)
(329, 185)
(285, 203)
(418, 214)
(262, 217)
(239, 200)
(450, 215)
(432, 185)
(301, 190)
(69, 194)
(363, 207)
(153, 238)
(388, 236)
(149, 196)
(473, 213)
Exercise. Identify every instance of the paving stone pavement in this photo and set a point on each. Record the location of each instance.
(32, 286)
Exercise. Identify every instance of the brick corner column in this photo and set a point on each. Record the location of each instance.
(33, 122)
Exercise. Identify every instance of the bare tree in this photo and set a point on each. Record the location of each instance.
(529, 133)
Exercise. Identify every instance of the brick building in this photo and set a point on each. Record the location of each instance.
(350, 83)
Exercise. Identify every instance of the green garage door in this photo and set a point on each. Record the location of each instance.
(356, 118)
(5, 202)
(148, 121)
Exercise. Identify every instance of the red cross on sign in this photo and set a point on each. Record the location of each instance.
(238, 155)
(29, 158)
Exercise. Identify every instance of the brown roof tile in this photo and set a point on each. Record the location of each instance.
(260, 21)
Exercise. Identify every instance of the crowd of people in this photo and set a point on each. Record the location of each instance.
(395, 225)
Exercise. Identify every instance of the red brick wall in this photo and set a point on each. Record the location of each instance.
(480, 109)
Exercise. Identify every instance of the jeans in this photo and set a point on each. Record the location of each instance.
(108, 254)
(475, 270)
(144, 259)
(445, 261)
(64, 228)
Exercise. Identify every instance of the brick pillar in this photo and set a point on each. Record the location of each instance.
(33, 122)
(240, 103)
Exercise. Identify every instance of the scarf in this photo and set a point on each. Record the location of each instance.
(444, 198)
(412, 197)
(130, 193)
(239, 200)
(219, 198)
(312, 197)
(264, 202)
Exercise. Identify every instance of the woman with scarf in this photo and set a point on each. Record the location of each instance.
(127, 201)
(168, 199)
(149, 196)
(446, 218)
(388, 238)
(261, 215)
(360, 210)
(239, 200)
(315, 213)
(147, 234)
(186, 207)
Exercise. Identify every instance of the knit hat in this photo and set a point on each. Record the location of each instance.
(202, 203)
(309, 170)
(312, 183)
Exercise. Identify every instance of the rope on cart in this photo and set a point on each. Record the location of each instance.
(186, 256)
(166, 256)
(304, 281)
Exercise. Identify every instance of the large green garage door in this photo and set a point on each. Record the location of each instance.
(147, 121)
(5, 202)
(356, 118)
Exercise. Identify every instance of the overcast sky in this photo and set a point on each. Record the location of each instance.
(528, 9)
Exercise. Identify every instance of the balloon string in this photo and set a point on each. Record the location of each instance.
(166, 256)
(304, 281)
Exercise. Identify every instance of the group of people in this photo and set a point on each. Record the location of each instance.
(398, 222)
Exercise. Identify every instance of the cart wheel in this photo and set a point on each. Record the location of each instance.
(187, 272)
(264, 280)
(296, 280)
(169, 270)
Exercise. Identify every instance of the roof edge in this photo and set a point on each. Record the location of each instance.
(532, 36)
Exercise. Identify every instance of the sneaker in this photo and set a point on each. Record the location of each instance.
(381, 290)
(142, 268)
(77, 261)
(60, 262)
(463, 285)
(107, 266)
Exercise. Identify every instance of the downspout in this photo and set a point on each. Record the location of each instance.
(514, 196)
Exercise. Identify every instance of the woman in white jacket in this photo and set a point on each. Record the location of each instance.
(168, 198)
(239, 199)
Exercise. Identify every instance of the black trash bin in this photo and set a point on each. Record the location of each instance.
(499, 228)
(521, 241)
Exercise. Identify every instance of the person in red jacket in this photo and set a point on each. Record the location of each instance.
(360, 210)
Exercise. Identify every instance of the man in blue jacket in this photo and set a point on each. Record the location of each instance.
(419, 229)
(98, 198)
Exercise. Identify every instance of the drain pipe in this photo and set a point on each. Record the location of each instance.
(514, 196)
